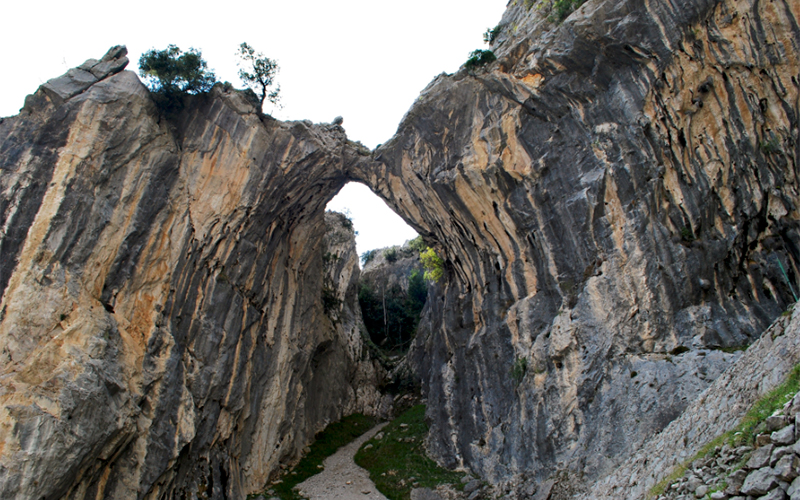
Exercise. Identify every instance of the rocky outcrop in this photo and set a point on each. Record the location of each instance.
(615, 199)
(163, 332)
(763, 367)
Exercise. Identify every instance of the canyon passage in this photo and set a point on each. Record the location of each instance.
(614, 199)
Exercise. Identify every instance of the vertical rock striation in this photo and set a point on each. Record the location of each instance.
(162, 331)
(615, 198)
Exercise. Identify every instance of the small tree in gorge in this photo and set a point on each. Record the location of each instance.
(258, 73)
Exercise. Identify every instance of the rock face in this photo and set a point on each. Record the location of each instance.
(615, 199)
(764, 366)
(163, 331)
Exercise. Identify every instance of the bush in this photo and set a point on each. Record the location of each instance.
(519, 369)
(172, 71)
(491, 34)
(367, 257)
(330, 300)
(563, 8)
(417, 244)
(478, 58)
(390, 254)
(434, 265)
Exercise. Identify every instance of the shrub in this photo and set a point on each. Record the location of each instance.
(434, 265)
(563, 8)
(417, 244)
(491, 34)
(390, 254)
(518, 369)
(330, 300)
(258, 73)
(172, 71)
(367, 257)
(478, 58)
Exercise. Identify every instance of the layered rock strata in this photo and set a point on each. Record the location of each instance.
(615, 199)
(162, 331)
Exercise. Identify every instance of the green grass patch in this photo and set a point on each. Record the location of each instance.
(326, 442)
(744, 433)
(400, 455)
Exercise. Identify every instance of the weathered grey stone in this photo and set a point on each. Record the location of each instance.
(189, 355)
(544, 489)
(719, 495)
(735, 482)
(425, 494)
(577, 189)
(472, 486)
(794, 487)
(759, 482)
(701, 491)
(787, 467)
(760, 457)
(775, 422)
(776, 494)
(68, 85)
(784, 436)
(778, 453)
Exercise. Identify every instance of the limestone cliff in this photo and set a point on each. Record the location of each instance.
(615, 199)
(163, 332)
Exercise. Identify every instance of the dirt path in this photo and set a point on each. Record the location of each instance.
(342, 479)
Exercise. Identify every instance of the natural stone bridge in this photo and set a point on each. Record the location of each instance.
(609, 198)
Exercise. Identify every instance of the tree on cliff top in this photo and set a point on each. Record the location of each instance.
(172, 71)
(258, 73)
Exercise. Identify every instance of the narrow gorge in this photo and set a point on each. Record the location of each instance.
(615, 200)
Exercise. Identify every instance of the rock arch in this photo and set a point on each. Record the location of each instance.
(597, 216)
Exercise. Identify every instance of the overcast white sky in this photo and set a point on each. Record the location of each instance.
(364, 60)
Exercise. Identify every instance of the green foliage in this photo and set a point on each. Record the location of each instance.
(330, 257)
(392, 315)
(687, 235)
(390, 254)
(330, 300)
(367, 257)
(258, 73)
(744, 433)
(172, 71)
(434, 265)
(478, 58)
(325, 444)
(519, 369)
(563, 8)
(348, 223)
(417, 244)
(490, 35)
(399, 456)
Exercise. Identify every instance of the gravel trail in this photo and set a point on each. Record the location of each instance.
(340, 469)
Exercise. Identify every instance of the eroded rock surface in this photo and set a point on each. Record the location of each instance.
(615, 199)
(163, 333)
